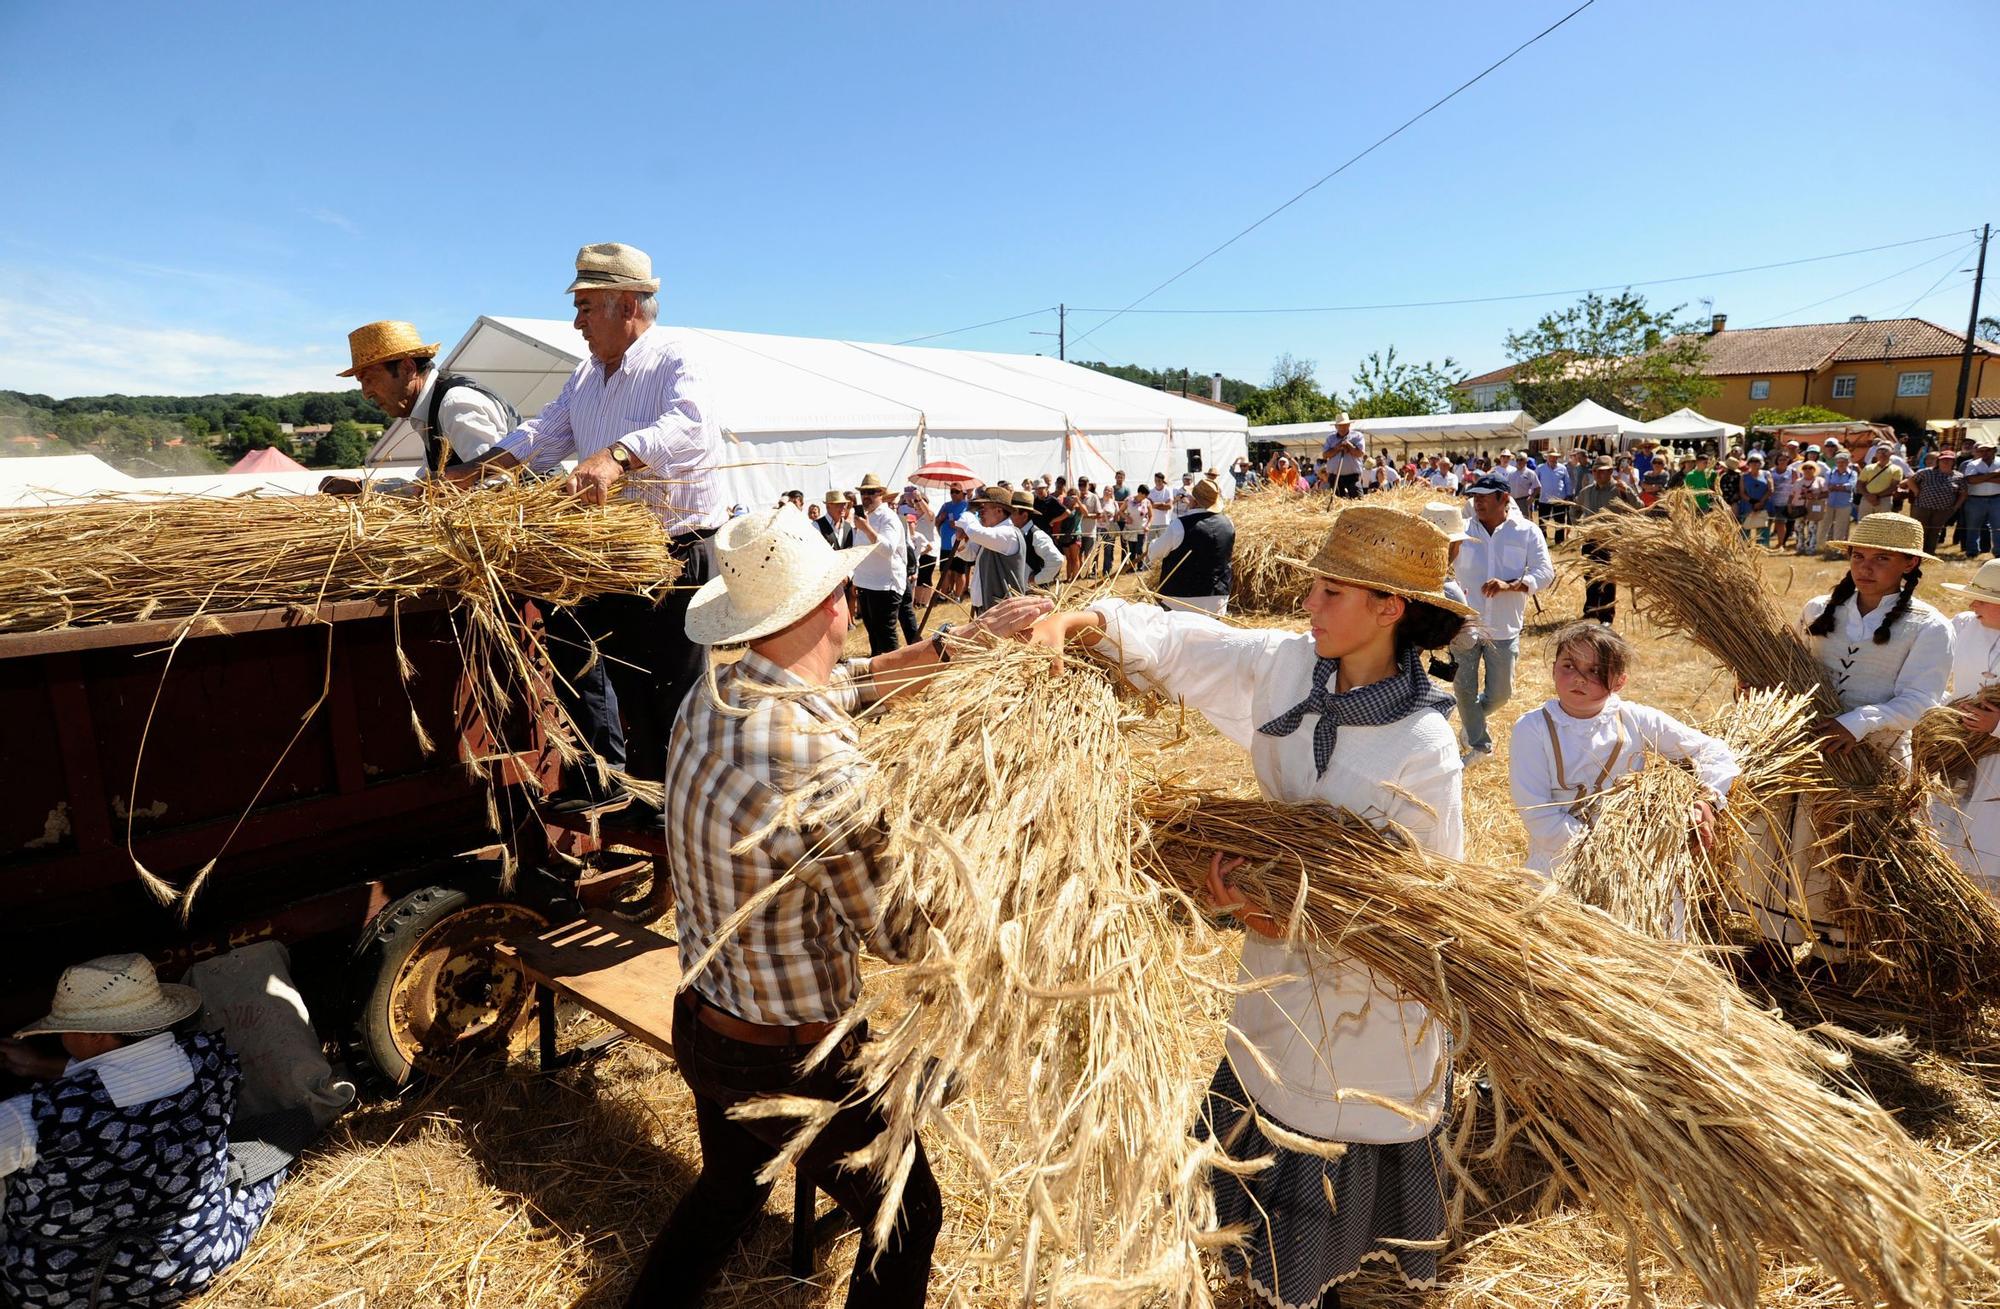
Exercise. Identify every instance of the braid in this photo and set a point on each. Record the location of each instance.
(1843, 591)
(1902, 606)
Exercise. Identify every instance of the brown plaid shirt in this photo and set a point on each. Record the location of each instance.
(797, 958)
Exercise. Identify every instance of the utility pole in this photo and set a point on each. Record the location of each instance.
(1061, 334)
(1963, 408)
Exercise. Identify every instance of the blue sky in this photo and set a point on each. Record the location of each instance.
(208, 196)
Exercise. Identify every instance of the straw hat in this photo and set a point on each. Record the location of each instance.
(609, 266)
(772, 567)
(378, 343)
(1387, 550)
(1023, 499)
(118, 993)
(839, 498)
(1985, 584)
(1206, 493)
(1446, 518)
(1341, 417)
(994, 495)
(1896, 533)
(870, 482)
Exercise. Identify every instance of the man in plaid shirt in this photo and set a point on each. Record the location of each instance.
(762, 992)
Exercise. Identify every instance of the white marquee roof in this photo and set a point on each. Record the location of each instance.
(813, 413)
(1585, 418)
(1686, 424)
(62, 479)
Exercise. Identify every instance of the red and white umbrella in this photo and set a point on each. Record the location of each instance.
(945, 472)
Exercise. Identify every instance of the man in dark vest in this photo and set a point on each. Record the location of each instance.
(837, 523)
(458, 419)
(1195, 552)
(1000, 565)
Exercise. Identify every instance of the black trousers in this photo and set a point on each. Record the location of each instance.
(1600, 599)
(878, 615)
(1347, 486)
(727, 1197)
(642, 647)
(906, 614)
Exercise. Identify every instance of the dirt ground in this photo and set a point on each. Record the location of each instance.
(500, 1187)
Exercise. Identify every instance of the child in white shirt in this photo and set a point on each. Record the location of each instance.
(1572, 749)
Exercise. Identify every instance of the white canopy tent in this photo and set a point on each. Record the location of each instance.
(1685, 425)
(815, 414)
(1583, 421)
(1455, 433)
(67, 479)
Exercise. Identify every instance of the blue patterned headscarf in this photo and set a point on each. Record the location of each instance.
(1372, 705)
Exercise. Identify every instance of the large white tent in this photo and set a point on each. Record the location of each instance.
(1457, 433)
(1685, 425)
(1582, 421)
(813, 414)
(43, 480)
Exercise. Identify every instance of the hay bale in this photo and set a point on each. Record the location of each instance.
(1944, 749)
(1273, 524)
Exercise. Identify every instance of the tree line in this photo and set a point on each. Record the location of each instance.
(153, 435)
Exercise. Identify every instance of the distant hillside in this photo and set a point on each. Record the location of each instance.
(148, 435)
(1234, 391)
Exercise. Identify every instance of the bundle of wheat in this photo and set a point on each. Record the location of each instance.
(1633, 1067)
(1914, 919)
(1944, 748)
(119, 560)
(1638, 862)
(1274, 524)
(1051, 973)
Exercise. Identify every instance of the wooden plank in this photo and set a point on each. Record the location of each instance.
(625, 975)
(162, 631)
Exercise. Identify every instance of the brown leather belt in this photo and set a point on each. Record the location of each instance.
(742, 1029)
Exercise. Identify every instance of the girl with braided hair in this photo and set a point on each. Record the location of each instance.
(1888, 657)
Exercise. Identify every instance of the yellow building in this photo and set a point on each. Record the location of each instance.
(1865, 369)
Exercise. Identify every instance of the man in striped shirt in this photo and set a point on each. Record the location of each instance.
(639, 421)
(762, 992)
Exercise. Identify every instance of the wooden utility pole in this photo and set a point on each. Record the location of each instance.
(1062, 331)
(1963, 409)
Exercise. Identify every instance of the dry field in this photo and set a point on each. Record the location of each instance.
(499, 1187)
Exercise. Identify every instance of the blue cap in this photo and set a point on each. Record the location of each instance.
(1490, 485)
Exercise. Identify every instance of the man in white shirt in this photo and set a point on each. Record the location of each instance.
(1045, 562)
(1523, 484)
(999, 562)
(1502, 562)
(638, 418)
(1344, 449)
(1160, 507)
(1981, 479)
(458, 419)
(1441, 476)
(881, 579)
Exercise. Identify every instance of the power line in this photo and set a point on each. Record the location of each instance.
(992, 322)
(1954, 253)
(1932, 287)
(1408, 123)
(1574, 290)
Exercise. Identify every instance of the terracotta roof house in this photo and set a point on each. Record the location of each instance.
(1862, 367)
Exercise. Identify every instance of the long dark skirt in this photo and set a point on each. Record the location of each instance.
(1296, 1247)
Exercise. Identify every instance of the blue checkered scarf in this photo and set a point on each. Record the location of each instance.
(1372, 705)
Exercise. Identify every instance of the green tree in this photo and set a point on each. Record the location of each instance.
(1293, 396)
(1612, 350)
(254, 432)
(1387, 387)
(343, 447)
(1989, 328)
(1795, 415)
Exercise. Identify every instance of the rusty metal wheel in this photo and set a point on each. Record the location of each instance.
(441, 991)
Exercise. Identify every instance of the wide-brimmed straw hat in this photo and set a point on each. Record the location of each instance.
(1985, 584)
(994, 495)
(378, 343)
(870, 482)
(1207, 494)
(772, 567)
(1387, 550)
(610, 266)
(839, 498)
(119, 993)
(1447, 519)
(1896, 533)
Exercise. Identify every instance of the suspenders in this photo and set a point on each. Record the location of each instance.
(1582, 797)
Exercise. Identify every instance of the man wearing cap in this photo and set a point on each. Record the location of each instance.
(1044, 560)
(637, 417)
(882, 577)
(458, 419)
(1195, 554)
(778, 906)
(1981, 478)
(1342, 454)
(1503, 561)
(117, 1166)
(1936, 495)
(1603, 495)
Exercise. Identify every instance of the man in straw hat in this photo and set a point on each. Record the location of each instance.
(766, 989)
(1504, 561)
(458, 419)
(117, 1165)
(1343, 451)
(882, 578)
(837, 523)
(637, 417)
(1196, 553)
(1043, 559)
(999, 554)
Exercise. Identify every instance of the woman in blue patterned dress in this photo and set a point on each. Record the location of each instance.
(117, 1165)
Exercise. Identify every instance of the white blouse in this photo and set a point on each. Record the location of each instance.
(1883, 687)
(1329, 1028)
(1595, 753)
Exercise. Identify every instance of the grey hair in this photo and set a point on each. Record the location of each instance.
(649, 306)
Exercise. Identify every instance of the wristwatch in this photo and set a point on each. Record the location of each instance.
(938, 646)
(621, 456)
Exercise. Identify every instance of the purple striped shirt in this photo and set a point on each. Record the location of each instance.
(658, 407)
